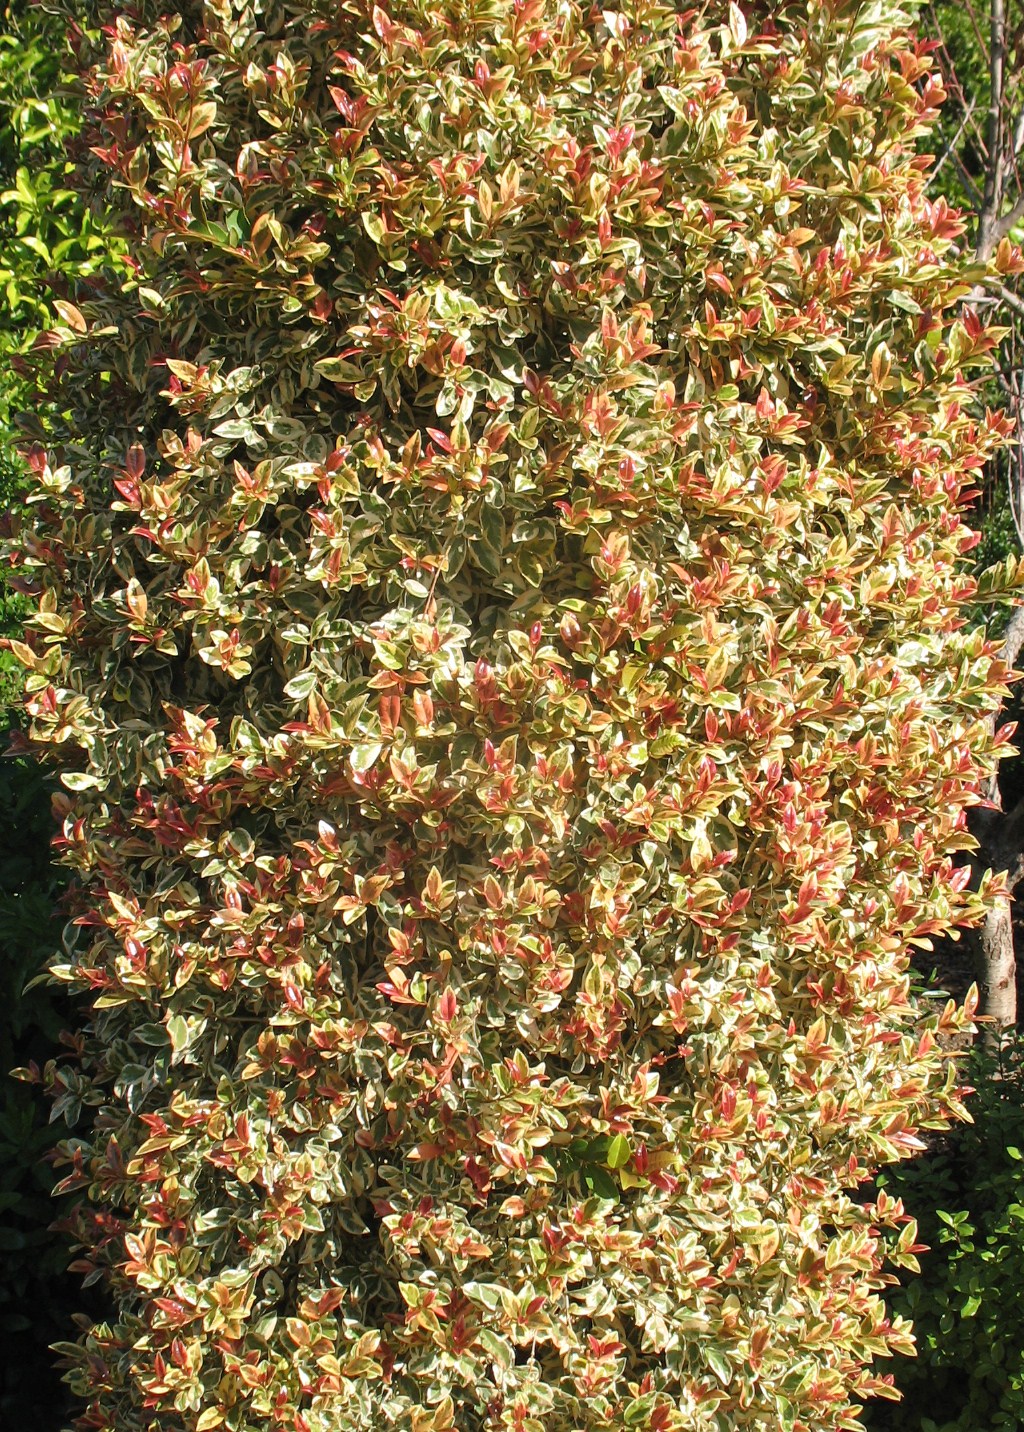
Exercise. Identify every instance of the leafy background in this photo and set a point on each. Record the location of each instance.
(47, 240)
(968, 1194)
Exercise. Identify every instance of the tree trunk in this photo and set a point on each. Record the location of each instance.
(996, 969)
(1000, 836)
(989, 170)
(992, 198)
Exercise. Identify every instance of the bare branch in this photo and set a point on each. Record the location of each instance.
(1001, 294)
(972, 15)
(973, 192)
(1003, 226)
(1013, 486)
(975, 25)
(951, 145)
(954, 91)
(1013, 641)
(1005, 384)
(990, 825)
(992, 199)
(1018, 133)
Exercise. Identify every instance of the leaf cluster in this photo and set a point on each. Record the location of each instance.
(47, 233)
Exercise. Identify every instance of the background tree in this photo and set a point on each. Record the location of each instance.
(980, 167)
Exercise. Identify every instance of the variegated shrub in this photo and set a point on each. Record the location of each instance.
(502, 622)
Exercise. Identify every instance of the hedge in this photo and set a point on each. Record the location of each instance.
(500, 593)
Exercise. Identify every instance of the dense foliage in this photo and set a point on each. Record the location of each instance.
(500, 582)
(48, 237)
(966, 1305)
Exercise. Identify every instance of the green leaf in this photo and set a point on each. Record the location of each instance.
(718, 1363)
(374, 226)
(597, 1182)
(178, 1033)
(364, 755)
(619, 1153)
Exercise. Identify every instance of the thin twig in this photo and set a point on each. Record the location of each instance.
(946, 153)
(992, 199)
(1018, 133)
(973, 192)
(1001, 294)
(1007, 222)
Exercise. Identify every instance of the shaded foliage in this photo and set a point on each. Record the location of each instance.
(45, 236)
(36, 1295)
(966, 1305)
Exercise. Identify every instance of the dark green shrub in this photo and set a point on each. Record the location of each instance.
(966, 1306)
(500, 581)
(36, 1295)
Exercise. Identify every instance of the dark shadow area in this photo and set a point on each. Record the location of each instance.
(37, 1295)
(967, 1193)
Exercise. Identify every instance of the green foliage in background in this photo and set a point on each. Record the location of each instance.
(48, 241)
(48, 237)
(967, 1309)
(966, 59)
(958, 177)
